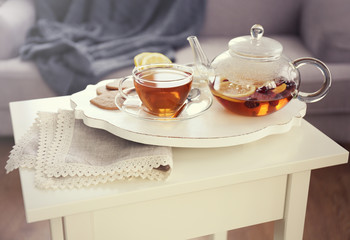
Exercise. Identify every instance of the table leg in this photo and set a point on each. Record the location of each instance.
(79, 226)
(220, 236)
(291, 227)
(56, 227)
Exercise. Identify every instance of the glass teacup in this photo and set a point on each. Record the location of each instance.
(162, 88)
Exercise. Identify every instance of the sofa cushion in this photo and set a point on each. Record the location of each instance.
(325, 29)
(21, 81)
(16, 17)
(235, 17)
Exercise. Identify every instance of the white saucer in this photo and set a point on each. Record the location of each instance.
(134, 107)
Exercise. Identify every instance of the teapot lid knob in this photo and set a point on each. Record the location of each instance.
(257, 31)
(255, 45)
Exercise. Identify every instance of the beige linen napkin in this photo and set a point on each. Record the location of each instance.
(65, 153)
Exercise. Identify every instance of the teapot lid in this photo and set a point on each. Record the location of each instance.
(256, 46)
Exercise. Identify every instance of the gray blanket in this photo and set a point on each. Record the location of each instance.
(77, 42)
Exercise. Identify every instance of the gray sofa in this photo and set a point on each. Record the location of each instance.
(317, 28)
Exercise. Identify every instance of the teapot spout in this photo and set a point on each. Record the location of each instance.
(201, 61)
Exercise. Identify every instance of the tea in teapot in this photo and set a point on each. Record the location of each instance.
(252, 101)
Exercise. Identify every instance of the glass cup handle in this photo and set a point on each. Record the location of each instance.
(120, 87)
(321, 93)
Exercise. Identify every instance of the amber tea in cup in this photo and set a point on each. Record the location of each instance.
(162, 88)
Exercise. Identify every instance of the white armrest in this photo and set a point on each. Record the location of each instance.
(16, 18)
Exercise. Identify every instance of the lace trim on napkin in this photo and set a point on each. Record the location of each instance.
(57, 163)
(18, 155)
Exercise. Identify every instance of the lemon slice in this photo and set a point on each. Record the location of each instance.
(280, 88)
(150, 58)
(138, 58)
(233, 90)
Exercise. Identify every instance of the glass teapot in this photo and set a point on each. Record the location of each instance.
(253, 77)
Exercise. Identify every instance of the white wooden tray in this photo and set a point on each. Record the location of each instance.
(215, 127)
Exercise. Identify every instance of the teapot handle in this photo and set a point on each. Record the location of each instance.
(321, 93)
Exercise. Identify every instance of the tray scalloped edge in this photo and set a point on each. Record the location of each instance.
(187, 142)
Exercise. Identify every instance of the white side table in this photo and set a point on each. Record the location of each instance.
(210, 190)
